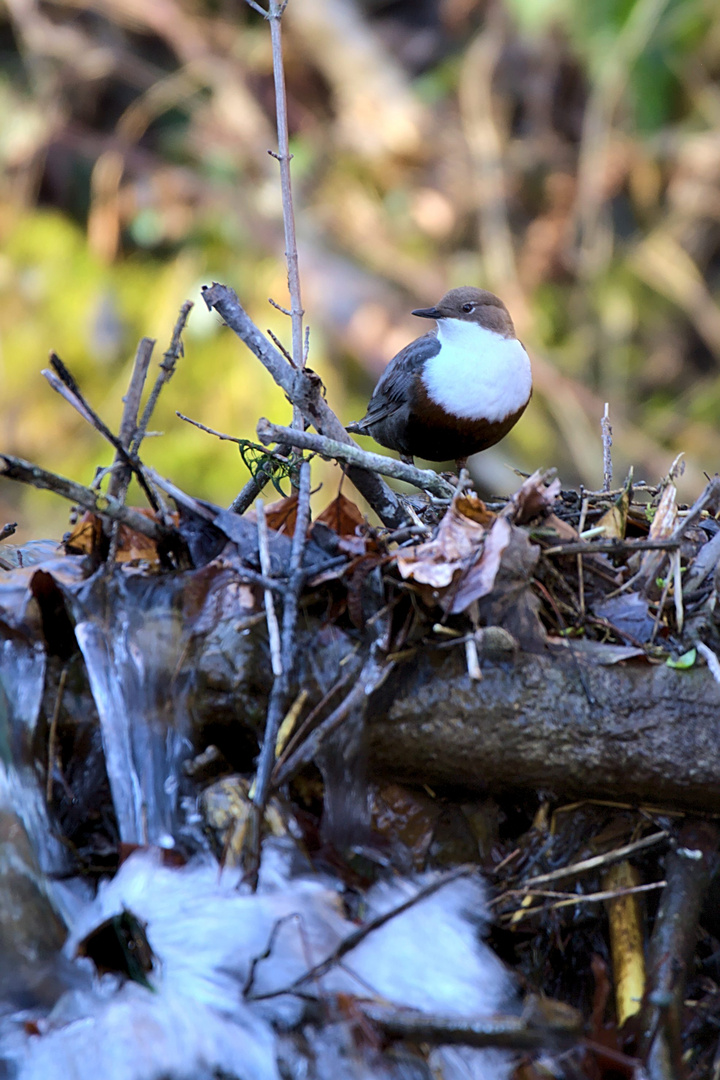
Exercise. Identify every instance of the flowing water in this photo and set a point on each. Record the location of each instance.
(134, 640)
(219, 1000)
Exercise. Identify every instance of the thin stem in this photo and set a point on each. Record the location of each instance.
(63, 382)
(282, 672)
(266, 567)
(120, 475)
(167, 369)
(274, 17)
(15, 468)
(607, 449)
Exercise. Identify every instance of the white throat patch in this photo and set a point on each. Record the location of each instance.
(477, 374)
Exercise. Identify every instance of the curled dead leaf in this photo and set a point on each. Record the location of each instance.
(460, 535)
(479, 579)
(533, 499)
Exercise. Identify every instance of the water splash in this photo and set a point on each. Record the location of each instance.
(22, 679)
(212, 941)
(133, 637)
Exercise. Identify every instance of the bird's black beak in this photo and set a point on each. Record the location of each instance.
(427, 313)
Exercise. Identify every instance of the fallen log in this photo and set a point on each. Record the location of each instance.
(632, 732)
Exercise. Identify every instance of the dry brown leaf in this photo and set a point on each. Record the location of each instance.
(564, 529)
(87, 538)
(614, 520)
(281, 515)
(342, 515)
(512, 604)
(665, 519)
(470, 506)
(345, 521)
(534, 498)
(459, 536)
(661, 528)
(479, 579)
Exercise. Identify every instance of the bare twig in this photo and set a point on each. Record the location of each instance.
(210, 431)
(676, 567)
(303, 391)
(612, 546)
(167, 369)
(103, 505)
(688, 870)
(425, 479)
(607, 449)
(277, 342)
(120, 475)
(274, 17)
(8, 529)
(594, 863)
(277, 704)
(132, 399)
(509, 1032)
(580, 570)
(357, 936)
(570, 899)
(255, 485)
(64, 384)
(265, 565)
(708, 499)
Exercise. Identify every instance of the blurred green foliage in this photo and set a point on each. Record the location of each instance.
(56, 293)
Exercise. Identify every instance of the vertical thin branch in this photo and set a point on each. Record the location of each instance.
(580, 570)
(676, 563)
(607, 448)
(167, 369)
(281, 686)
(120, 476)
(265, 566)
(283, 156)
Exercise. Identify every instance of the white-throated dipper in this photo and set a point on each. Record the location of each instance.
(454, 391)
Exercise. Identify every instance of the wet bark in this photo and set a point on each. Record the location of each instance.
(631, 732)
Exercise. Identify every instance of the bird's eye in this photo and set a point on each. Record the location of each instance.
(468, 307)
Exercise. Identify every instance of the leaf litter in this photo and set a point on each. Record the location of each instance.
(485, 566)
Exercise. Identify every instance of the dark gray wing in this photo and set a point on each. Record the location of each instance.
(395, 384)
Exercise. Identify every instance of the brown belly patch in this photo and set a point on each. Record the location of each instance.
(437, 435)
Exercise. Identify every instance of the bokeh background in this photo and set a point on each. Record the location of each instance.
(563, 153)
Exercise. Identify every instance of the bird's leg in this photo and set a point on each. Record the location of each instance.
(456, 481)
(407, 458)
